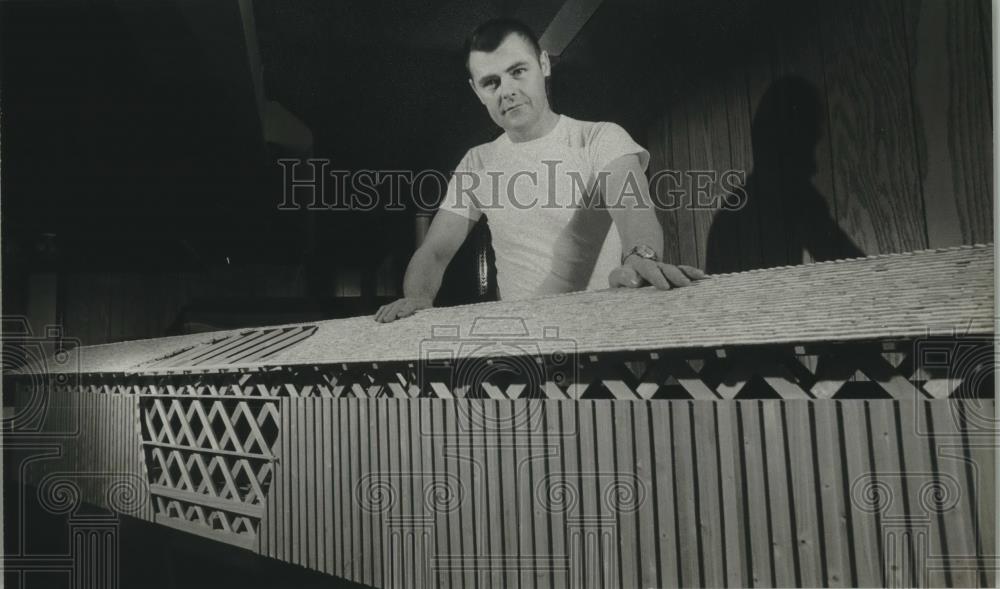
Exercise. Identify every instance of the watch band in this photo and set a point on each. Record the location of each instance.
(643, 251)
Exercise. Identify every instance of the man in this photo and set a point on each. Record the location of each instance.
(537, 183)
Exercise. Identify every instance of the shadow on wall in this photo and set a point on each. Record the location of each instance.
(779, 195)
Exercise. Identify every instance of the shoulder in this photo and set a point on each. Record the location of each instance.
(476, 156)
(586, 134)
(604, 142)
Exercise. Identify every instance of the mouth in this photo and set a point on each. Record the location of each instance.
(511, 108)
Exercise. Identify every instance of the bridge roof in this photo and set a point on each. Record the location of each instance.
(895, 296)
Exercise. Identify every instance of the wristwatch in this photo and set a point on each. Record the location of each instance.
(643, 251)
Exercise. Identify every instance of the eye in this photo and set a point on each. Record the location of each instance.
(519, 71)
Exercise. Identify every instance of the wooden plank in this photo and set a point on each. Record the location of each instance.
(339, 494)
(117, 436)
(328, 490)
(756, 492)
(409, 486)
(523, 483)
(686, 489)
(863, 505)
(101, 464)
(627, 477)
(428, 445)
(443, 529)
(364, 444)
(400, 485)
(347, 542)
(358, 537)
(709, 498)
(83, 460)
(508, 505)
(804, 462)
(951, 101)
(834, 496)
(462, 454)
(586, 558)
(611, 546)
(733, 511)
(422, 536)
(540, 516)
(285, 527)
(301, 483)
(645, 516)
(229, 505)
(318, 490)
(559, 437)
(885, 443)
(495, 508)
(952, 456)
(873, 144)
(984, 455)
(667, 538)
(782, 509)
(381, 433)
(474, 428)
(312, 455)
(926, 527)
(979, 456)
(93, 450)
(456, 532)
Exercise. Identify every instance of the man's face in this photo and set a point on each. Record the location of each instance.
(510, 82)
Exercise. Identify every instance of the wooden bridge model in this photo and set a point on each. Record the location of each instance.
(822, 425)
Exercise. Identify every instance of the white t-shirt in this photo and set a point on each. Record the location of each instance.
(546, 236)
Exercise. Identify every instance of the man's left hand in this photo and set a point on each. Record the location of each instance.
(636, 272)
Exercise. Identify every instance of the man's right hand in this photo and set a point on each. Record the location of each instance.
(404, 307)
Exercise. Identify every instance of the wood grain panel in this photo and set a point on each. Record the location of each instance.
(678, 156)
(953, 122)
(875, 162)
(660, 187)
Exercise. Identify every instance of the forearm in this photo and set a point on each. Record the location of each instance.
(630, 206)
(423, 275)
(640, 227)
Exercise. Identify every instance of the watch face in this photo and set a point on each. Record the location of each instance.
(645, 251)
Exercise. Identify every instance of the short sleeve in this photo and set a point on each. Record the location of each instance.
(610, 142)
(459, 197)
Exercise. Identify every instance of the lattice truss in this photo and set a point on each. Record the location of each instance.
(921, 369)
(209, 458)
(890, 370)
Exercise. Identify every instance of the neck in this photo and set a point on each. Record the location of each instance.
(545, 123)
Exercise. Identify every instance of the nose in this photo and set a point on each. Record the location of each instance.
(508, 88)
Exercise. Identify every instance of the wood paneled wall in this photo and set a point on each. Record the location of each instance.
(118, 306)
(863, 127)
(102, 307)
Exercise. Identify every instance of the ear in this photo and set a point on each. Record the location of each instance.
(475, 91)
(543, 59)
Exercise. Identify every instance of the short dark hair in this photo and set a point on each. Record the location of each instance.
(489, 35)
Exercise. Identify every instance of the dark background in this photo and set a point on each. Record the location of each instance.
(140, 192)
